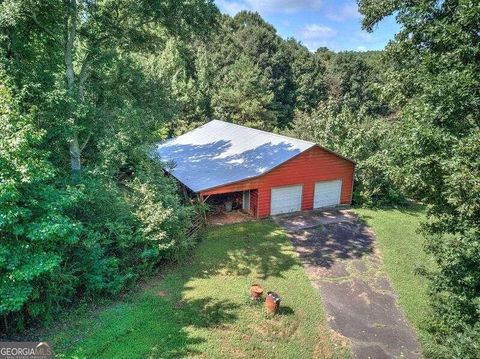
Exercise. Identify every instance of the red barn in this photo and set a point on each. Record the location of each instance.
(270, 173)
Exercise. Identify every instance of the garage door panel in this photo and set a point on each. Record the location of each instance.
(286, 199)
(327, 194)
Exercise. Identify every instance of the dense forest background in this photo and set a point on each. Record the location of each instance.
(87, 87)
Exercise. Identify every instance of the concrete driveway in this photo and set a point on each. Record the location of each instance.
(340, 256)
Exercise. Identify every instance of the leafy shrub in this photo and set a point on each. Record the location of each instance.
(34, 227)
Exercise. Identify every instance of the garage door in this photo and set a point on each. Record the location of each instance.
(327, 194)
(286, 199)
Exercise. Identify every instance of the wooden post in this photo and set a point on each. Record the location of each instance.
(202, 201)
(184, 191)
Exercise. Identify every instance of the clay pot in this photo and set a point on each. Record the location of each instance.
(272, 302)
(256, 291)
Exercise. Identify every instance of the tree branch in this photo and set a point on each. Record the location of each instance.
(84, 144)
(70, 33)
(83, 76)
(47, 30)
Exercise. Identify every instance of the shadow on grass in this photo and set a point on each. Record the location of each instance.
(238, 250)
(160, 321)
(151, 326)
(285, 310)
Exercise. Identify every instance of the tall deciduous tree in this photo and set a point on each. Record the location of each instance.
(85, 101)
(185, 74)
(90, 33)
(356, 135)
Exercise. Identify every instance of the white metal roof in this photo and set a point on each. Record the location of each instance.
(219, 153)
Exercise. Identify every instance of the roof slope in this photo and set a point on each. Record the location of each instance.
(219, 153)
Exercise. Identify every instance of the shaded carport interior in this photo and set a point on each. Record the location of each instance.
(231, 207)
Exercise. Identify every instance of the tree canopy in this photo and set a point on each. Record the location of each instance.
(434, 81)
(87, 87)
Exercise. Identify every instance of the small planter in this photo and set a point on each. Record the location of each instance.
(256, 292)
(272, 303)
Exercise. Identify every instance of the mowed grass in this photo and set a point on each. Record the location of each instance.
(403, 253)
(202, 309)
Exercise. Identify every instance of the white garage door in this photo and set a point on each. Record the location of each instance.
(286, 199)
(327, 194)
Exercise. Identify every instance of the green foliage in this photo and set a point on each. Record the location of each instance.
(244, 97)
(434, 79)
(93, 239)
(90, 99)
(354, 82)
(127, 231)
(34, 226)
(308, 76)
(97, 83)
(246, 73)
(164, 219)
(258, 41)
(289, 75)
(185, 73)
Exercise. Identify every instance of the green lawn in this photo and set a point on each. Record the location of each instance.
(402, 250)
(201, 308)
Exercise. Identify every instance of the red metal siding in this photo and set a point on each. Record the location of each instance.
(311, 166)
(254, 202)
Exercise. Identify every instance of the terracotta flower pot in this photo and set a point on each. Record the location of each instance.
(272, 302)
(256, 291)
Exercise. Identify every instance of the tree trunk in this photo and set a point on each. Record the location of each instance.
(69, 37)
(75, 158)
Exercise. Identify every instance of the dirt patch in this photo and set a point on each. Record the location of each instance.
(232, 217)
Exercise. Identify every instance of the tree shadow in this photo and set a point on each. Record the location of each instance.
(198, 313)
(202, 166)
(325, 245)
(268, 258)
(230, 251)
(152, 324)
